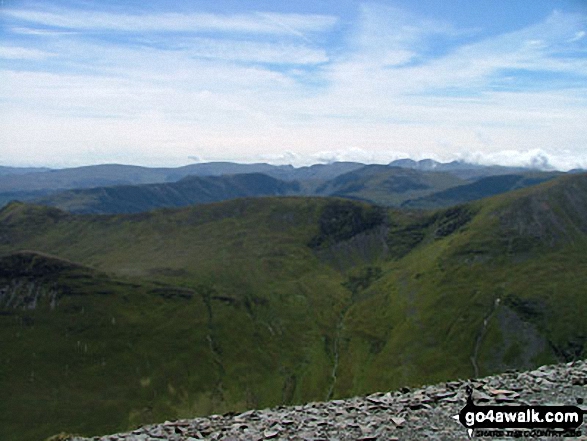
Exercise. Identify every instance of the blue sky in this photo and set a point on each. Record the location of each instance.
(170, 83)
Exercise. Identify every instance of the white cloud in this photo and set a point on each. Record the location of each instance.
(536, 158)
(264, 23)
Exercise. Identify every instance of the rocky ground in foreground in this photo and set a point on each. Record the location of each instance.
(418, 414)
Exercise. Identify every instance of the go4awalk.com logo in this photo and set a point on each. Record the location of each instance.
(520, 421)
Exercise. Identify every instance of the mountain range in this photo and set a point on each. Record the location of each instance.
(109, 321)
(125, 189)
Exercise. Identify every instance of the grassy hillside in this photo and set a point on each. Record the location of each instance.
(184, 312)
(256, 302)
(489, 286)
(86, 353)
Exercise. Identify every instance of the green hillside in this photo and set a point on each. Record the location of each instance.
(491, 286)
(108, 322)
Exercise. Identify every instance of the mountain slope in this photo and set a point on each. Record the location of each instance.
(257, 302)
(488, 286)
(187, 191)
(206, 309)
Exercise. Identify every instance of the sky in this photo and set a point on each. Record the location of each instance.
(161, 83)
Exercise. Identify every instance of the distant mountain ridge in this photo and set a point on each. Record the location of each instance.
(107, 188)
(4, 171)
(387, 185)
(117, 174)
(187, 191)
(18, 179)
(378, 184)
(462, 169)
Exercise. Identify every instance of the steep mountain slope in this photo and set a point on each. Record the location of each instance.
(488, 286)
(480, 189)
(205, 309)
(86, 352)
(187, 191)
(257, 302)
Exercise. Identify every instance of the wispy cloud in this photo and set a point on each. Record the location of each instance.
(468, 67)
(578, 36)
(262, 23)
(253, 51)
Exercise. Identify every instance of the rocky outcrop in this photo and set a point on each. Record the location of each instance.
(425, 413)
